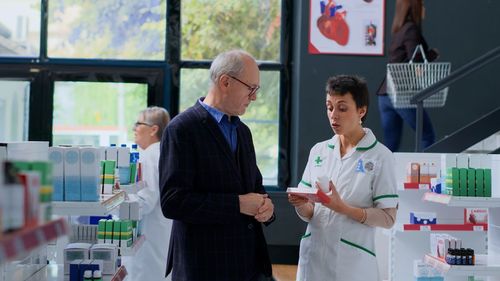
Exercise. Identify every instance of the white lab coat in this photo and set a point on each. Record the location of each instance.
(334, 246)
(150, 261)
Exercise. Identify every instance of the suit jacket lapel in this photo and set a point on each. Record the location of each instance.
(214, 129)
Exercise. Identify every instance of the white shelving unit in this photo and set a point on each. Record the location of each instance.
(462, 201)
(132, 188)
(485, 266)
(24, 252)
(106, 204)
(54, 272)
(410, 242)
(18, 244)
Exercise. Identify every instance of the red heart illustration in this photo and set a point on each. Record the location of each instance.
(334, 27)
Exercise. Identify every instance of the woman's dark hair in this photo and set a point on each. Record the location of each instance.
(407, 10)
(350, 84)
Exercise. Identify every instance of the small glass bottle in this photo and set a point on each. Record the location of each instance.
(450, 256)
(463, 256)
(87, 275)
(97, 275)
(454, 256)
(470, 256)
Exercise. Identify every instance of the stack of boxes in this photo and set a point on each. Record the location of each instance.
(115, 232)
(467, 175)
(419, 175)
(83, 173)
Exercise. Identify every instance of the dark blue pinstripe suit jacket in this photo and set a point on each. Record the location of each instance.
(200, 180)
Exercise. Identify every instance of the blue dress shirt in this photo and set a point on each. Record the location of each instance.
(228, 127)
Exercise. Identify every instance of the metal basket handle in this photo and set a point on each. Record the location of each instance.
(419, 47)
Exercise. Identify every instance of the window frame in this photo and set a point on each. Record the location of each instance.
(162, 77)
(283, 66)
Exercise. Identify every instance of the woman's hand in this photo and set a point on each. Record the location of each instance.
(302, 205)
(297, 201)
(336, 203)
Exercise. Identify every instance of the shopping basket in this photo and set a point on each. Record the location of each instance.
(404, 80)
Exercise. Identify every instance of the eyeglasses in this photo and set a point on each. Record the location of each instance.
(137, 124)
(252, 89)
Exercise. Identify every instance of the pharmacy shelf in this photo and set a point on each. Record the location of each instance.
(445, 227)
(131, 251)
(132, 188)
(484, 266)
(17, 244)
(55, 272)
(103, 207)
(416, 185)
(462, 201)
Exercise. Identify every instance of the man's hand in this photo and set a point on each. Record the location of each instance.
(250, 203)
(265, 211)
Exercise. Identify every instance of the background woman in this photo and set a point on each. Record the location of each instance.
(149, 261)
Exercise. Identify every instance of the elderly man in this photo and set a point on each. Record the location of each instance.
(210, 183)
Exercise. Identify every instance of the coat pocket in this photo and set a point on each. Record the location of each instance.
(354, 260)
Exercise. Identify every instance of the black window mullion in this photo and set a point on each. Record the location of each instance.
(41, 105)
(173, 56)
(44, 30)
(285, 95)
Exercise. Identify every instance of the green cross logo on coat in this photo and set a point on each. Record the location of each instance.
(318, 161)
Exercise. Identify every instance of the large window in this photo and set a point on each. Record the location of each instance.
(19, 28)
(210, 27)
(109, 29)
(79, 119)
(92, 65)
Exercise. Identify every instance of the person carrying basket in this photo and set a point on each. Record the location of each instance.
(406, 36)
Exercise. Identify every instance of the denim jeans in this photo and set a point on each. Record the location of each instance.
(392, 123)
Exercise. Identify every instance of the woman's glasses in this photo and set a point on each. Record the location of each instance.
(137, 124)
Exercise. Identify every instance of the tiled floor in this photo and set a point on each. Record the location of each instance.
(284, 272)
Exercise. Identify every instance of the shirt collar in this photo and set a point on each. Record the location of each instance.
(219, 115)
(367, 142)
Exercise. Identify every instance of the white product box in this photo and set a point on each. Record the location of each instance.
(90, 173)
(56, 157)
(72, 187)
(27, 150)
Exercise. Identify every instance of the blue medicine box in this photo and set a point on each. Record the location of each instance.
(423, 218)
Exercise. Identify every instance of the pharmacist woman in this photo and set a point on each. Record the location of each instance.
(149, 262)
(339, 241)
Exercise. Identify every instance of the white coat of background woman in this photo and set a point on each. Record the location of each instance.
(149, 261)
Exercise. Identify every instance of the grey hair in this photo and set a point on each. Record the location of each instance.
(155, 115)
(229, 62)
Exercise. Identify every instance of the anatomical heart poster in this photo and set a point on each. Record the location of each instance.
(352, 27)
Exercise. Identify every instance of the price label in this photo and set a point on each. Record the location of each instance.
(478, 228)
(424, 186)
(425, 228)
